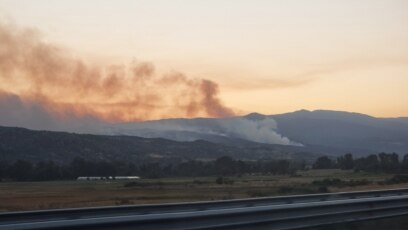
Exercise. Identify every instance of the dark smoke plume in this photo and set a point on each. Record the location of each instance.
(48, 84)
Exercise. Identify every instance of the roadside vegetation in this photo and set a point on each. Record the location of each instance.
(45, 185)
(21, 170)
(17, 196)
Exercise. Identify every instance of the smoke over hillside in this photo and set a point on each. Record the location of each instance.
(43, 86)
(262, 130)
(47, 84)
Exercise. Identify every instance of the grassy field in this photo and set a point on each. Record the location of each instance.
(17, 196)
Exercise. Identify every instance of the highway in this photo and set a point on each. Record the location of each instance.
(284, 212)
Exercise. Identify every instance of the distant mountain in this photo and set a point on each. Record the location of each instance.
(400, 119)
(331, 132)
(302, 134)
(345, 130)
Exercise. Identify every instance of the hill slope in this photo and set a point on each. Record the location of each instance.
(19, 143)
(345, 130)
(322, 131)
(301, 134)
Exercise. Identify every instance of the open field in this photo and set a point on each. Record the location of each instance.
(17, 196)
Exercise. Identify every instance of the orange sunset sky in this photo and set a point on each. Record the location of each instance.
(229, 56)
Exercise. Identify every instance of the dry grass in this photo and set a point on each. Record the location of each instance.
(19, 196)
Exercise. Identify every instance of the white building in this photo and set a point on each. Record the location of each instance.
(108, 178)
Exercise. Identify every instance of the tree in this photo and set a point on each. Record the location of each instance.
(283, 167)
(21, 170)
(346, 162)
(4, 169)
(79, 167)
(405, 162)
(323, 163)
(225, 166)
(389, 162)
(368, 164)
(47, 171)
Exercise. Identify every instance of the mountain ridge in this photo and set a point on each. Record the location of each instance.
(252, 136)
(337, 129)
(62, 147)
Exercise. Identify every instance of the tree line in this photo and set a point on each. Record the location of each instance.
(383, 162)
(22, 170)
(224, 166)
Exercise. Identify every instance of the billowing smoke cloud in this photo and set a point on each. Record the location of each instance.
(48, 84)
(42, 86)
(260, 130)
(263, 131)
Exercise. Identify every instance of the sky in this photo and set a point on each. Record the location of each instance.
(208, 58)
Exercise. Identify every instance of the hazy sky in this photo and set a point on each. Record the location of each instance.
(267, 56)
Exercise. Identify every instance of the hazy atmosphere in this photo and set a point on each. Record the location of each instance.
(144, 60)
(180, 114)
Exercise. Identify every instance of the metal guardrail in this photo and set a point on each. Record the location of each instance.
(286, 212)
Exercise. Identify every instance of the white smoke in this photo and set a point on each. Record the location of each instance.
(263, 131)
(260, 130)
